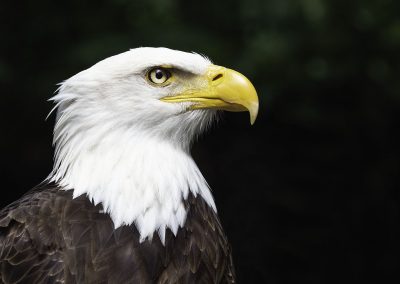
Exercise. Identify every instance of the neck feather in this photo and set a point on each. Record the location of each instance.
(138, 179)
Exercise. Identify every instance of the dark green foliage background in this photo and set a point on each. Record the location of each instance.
(310, 193)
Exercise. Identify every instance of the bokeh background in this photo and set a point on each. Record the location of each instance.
(310, 193)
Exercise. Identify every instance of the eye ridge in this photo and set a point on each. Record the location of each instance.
(158, 75)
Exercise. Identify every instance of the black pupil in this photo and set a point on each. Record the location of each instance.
(159, 74)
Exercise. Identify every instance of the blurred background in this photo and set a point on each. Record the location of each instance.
(310, 193)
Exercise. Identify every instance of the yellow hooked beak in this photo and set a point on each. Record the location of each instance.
(224, 89)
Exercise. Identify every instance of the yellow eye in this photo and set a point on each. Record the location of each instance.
(159, 75)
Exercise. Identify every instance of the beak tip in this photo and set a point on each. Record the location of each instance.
(252, 120)
(253, 110)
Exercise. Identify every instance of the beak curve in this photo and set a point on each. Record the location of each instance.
(226, 89)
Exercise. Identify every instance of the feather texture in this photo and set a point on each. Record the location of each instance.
(49, 237)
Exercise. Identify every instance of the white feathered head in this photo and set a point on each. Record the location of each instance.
(124, 127)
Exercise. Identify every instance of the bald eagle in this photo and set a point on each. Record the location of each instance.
(125, 202)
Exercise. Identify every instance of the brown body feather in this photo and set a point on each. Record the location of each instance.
(49, 237)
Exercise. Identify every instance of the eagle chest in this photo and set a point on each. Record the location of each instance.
(77, 243)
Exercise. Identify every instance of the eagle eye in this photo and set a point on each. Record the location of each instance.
(158, 75)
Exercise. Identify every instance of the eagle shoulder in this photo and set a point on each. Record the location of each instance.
(30, 250)
(49, 237)
(200, 252)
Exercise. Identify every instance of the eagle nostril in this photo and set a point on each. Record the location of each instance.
(218, 76)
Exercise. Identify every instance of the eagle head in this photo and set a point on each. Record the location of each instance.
(124, 128)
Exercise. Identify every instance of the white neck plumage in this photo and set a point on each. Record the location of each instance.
(139, 179)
